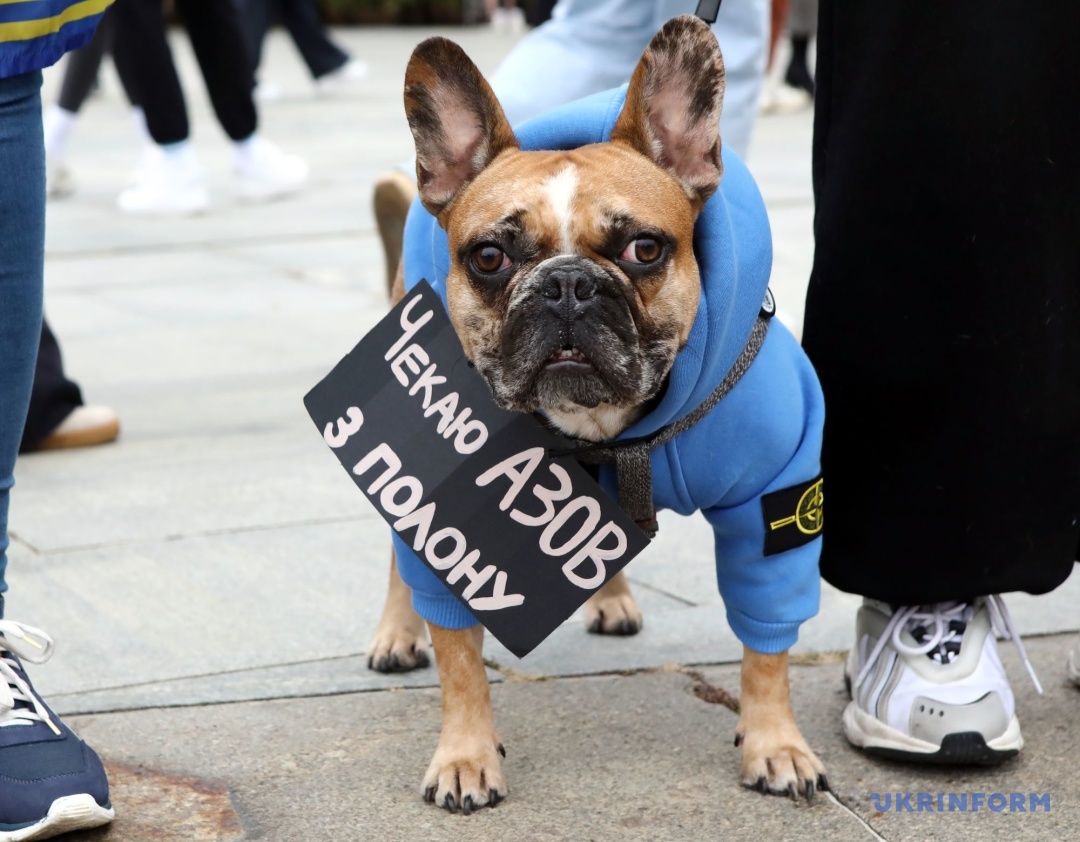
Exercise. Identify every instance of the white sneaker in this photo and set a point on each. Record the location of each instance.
(167, 182)
(1073, 666)
(266, 172)
(267, 92)
(927, 683)
(85, 426)
(509, 21)
(780, 98)
(59, 183)
(344, 77)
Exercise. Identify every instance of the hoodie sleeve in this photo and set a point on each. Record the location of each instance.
(767, 438)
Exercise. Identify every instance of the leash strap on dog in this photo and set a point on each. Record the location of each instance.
(633, 465)
(707, 10)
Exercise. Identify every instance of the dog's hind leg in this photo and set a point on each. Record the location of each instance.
(400, 642)
(466, 771)
(394, 192)
(613, 609)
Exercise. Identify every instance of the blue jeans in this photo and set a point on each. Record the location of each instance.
(22, 270)
(593, 45)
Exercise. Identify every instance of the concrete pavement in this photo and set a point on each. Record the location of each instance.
(212, 580)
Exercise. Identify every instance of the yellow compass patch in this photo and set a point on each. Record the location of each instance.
(793, 516)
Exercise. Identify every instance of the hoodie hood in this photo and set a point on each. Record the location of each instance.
(731, 240)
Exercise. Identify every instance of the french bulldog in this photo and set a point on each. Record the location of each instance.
(573, 286)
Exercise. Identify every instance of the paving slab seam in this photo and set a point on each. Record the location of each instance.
(210, 533)
(832, 797)
(646, 586)
(257, 668)
(206, 245)
(22, 542)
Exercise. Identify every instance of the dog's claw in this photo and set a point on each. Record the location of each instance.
(594, 626)
(467, 806)
(794, 793)
(823, 784)
(502, 749)
(494, 797)
(421, 658)
(738, 740)
(809, 792)
(761, 785)
(450, 802)
(429, 794)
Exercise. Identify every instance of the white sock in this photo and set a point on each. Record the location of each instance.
(138, 119)
(179, 149)
(58, 124)
(243, 150)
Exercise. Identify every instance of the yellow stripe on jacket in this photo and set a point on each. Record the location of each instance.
(24, 30)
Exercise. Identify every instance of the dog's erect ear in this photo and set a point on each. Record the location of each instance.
(672, 109)
(457, 123)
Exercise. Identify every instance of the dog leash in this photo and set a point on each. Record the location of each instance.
(707, 10)
(633, 465)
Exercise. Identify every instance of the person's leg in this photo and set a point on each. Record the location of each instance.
(943, 317)
(263, 170)
(586, 47)
(51, 781)
(802, 24)
(22, 268)
(218, 40)
(589, 46)
(80, 74)
(145, 65)
(321, 55)
(255, 23)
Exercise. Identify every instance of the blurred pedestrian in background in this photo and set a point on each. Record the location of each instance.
(331, 67)
(169, 179)
(57, 416)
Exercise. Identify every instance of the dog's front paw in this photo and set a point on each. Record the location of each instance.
(466, 774)
(399, 647)
(777, 759)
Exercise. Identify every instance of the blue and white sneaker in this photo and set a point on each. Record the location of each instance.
(51, 782)
(927, 683)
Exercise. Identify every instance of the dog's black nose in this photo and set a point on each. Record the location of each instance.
(568, 287)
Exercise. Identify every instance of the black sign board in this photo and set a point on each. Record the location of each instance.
(521, 538)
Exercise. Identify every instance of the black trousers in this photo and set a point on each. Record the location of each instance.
(82, 66)
(943, 314)
(53, 396)
(304, 24)
(144, 61)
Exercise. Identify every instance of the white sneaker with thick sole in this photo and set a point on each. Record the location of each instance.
(266, 172)
(167, 182)
(927, 683)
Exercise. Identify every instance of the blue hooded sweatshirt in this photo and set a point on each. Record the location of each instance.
(763, 437)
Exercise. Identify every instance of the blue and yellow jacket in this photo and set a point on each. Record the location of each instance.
(741, 464)
(35, 33)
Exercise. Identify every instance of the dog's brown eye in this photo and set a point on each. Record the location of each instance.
(489, 260)
(643, 250)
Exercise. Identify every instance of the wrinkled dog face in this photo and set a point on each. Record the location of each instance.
(573, 278)
(573, 282)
